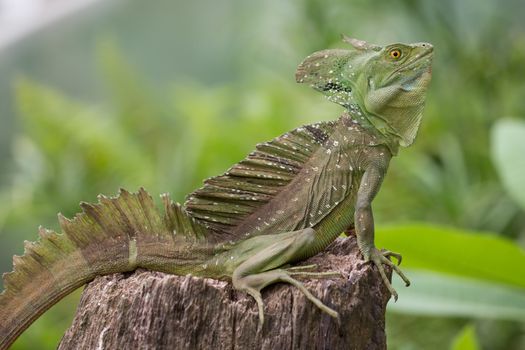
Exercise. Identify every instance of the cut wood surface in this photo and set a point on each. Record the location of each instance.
(152, 310)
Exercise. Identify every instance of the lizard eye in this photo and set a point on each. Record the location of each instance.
(395, 54)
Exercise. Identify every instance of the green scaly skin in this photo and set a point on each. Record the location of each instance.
(285, 202)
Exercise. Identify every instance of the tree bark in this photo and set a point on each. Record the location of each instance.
(152, 310)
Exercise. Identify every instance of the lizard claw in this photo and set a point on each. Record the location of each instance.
(387, 253)
(382, 257)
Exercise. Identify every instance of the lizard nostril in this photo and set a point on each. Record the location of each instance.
(426, 46)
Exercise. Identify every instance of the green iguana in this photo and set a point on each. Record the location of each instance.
(285, 202)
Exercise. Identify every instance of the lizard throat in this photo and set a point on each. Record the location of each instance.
(383, 133)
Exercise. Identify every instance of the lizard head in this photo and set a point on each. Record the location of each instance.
(388, 84)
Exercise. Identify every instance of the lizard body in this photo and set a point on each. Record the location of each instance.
(283, 203)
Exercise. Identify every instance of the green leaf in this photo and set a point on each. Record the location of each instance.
(475, 255)
(466, 339)
(444, 295)
(508, 150)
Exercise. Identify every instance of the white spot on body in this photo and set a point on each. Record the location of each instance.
(132, 260)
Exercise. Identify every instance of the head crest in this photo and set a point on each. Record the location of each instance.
(359, 44)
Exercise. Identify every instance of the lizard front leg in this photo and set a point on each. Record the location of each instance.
(364, 225)
(265, 268)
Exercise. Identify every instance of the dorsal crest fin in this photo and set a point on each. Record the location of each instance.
(226, 201)
(116, 234)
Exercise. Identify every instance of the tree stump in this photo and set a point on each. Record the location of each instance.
(152, 310)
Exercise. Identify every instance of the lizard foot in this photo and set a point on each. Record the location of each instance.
(380, 257)
(299, 267)
(259, 270)
(299, 271)
(252, 284)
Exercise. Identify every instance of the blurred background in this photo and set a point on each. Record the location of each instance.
(97, 95)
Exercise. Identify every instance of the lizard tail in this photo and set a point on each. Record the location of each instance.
(116, 235)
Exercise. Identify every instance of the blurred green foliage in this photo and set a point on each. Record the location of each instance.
(466, 340)
(457, 252)
(463, 178)
(508, 154)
